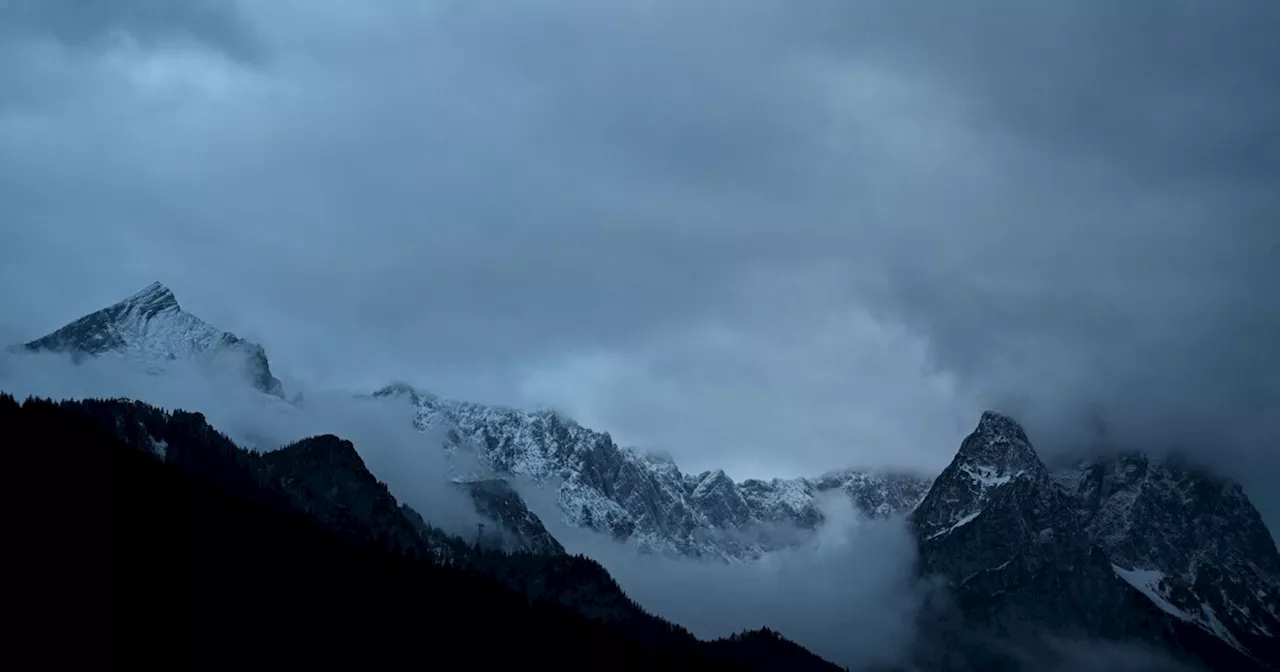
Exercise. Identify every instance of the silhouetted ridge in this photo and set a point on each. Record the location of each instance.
(298, 557)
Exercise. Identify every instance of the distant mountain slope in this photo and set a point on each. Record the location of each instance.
(301, 557)
(1125, 549)
(150, 328)
(643, 498)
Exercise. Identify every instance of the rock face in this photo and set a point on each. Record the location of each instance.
(518, 528)
(644, 498)
(150, 328)
(1187, 539)
(1124, 549)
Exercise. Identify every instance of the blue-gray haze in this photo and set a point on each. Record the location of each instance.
(770, 236)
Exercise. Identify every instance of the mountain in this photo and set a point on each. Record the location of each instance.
(196, 553)
(1126, 548)
(150, 328)
(644, 498)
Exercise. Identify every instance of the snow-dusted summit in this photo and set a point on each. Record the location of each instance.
(644, 498)
(1120, 548)
(150, 328)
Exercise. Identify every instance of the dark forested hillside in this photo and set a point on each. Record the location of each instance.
(146, 538)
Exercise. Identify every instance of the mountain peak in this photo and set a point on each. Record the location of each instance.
(154, 295)
(150, 328)
(999, 443)
(997, 422)
(324, 449)
(395, 388)
(399, 389)
(995, 456)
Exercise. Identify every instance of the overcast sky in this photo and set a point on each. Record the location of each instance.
(777, 237)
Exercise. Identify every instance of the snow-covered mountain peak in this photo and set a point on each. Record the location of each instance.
(150, 328)
(994, 460)
(152, 299)
(713, 479)
(412, 394)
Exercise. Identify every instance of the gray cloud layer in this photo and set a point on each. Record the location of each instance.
(773, 237)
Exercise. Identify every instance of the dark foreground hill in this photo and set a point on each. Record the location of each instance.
(146, 539)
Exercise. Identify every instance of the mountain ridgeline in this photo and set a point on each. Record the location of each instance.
(215, 549)
(645, 499)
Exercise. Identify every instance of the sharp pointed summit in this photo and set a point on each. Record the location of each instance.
(150, 328)
(1000, 446)
(996, 422)
(996, 456)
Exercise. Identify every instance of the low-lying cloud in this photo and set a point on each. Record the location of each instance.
(848, 593)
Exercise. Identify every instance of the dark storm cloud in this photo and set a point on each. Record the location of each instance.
(1122, 269)
(769, 236)
(1178, 88)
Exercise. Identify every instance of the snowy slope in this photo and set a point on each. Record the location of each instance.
(643, 498)
(151, 329)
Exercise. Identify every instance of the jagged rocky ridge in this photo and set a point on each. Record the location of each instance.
(644, 498)
(1126, 548)
(150, 328)
(173, 540)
